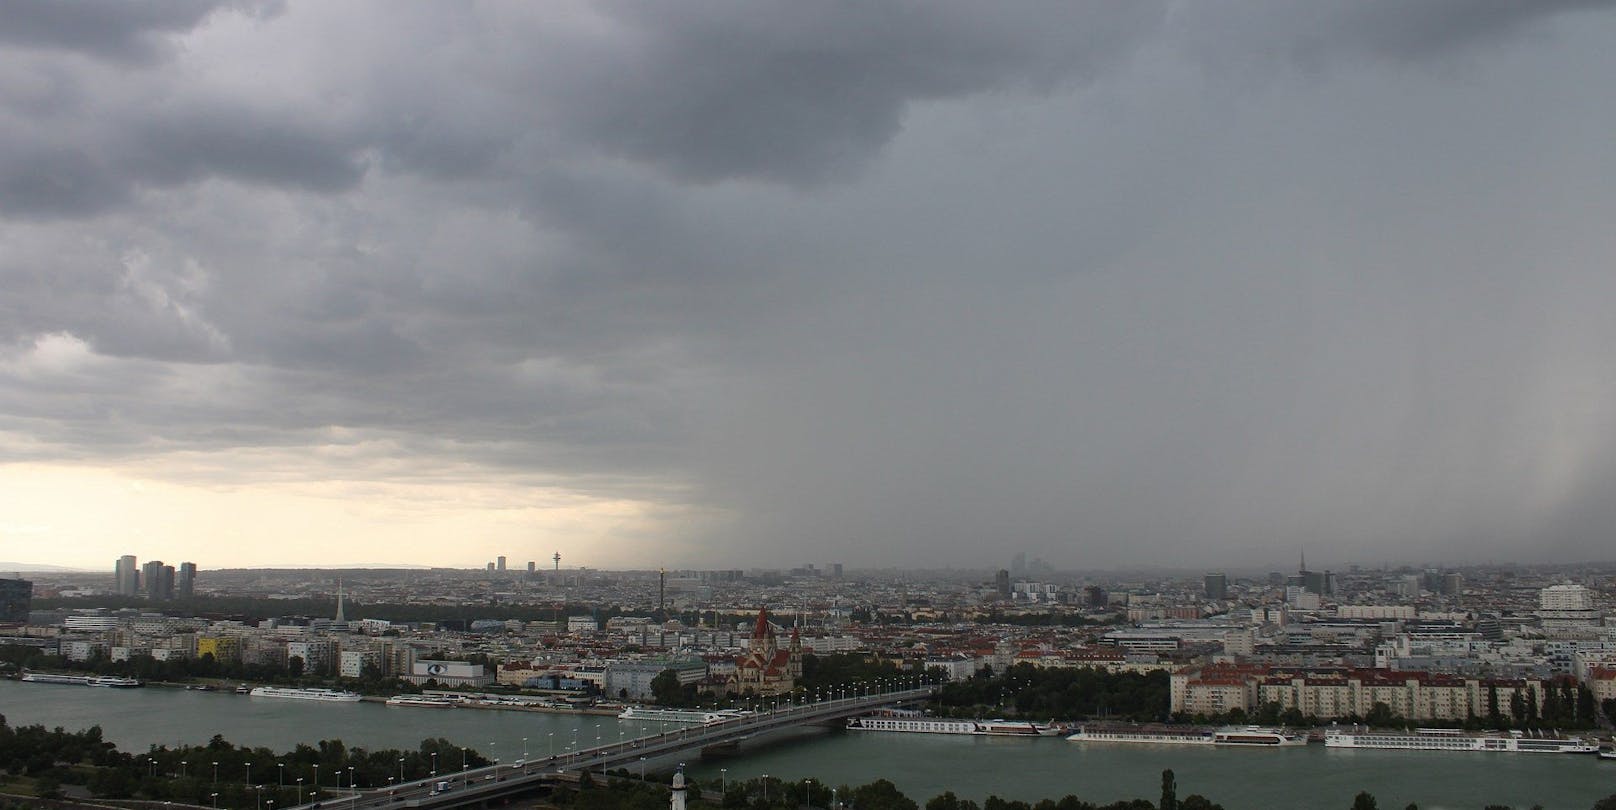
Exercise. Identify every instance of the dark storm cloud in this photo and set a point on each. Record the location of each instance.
(875, 279)
(104, 29)
(804, 92)
(1314, 34)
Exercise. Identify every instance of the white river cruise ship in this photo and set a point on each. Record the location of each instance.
(1448, 739)
(916, 722)
(328, 695)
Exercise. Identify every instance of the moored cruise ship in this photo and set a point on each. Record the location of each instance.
(423, 701)
(1256, 735)
(655, 715)
(47, 677)
(114, 683)
(1249, 736)
(1447, 739)
(327, 695)
(916, 722)
(82, 680)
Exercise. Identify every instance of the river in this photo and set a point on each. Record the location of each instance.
(1304, 777)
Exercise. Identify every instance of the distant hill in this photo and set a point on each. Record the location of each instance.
(19, 567)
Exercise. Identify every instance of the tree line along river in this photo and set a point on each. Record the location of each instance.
(922, 765)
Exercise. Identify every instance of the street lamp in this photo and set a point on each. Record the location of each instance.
(215, 795)
(281, 782)
(182, 769)
(552, 744)
(300, 790)
(524, 749)
(723, 781)
(258, 797)
(642, 769)
(315, 790)
(350, 777)
(401, 770)
(765, 788)
(249, 772)
(215, 774)
(434, 763)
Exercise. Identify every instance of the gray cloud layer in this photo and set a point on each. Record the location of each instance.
(888, 282)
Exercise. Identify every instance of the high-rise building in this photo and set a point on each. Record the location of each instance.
(159, 580)
(1095, 596)
(1001, 583)
(532, 567)
(501, 561)
(1567, 606)
(185, 583)
(1217, 586)
(127, 575)
(1452, 584)
(15, 595)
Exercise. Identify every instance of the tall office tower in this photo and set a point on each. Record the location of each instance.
(185, 584)
(159, 580)
(835, 570)
(1001, 583)
(532, 567)
(127, 575)
(501, 560)
(1095, 596)
(490, 568)
(1217, 587)
(1452, 584)
(15, 595)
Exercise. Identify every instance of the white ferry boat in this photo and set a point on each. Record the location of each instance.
(82, 680)
(655, 715)
(1147, 735)
(1180, 735)
(1256, 735)
(46, 677)
(422, 701)
(1447, 739)
(917, 723)
(115, 683)
(327, 695)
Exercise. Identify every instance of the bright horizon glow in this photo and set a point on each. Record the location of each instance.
(87, 516)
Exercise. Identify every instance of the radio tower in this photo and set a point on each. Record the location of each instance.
(557, 559)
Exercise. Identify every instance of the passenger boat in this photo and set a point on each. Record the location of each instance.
(655, 715)
(115, 683)
(919, 723)
(47, 677)
(1246, 736)
(327, 695)
(422, 701)
(1448, 739)
(1256, 735)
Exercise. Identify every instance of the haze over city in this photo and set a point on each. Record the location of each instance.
(735, 284)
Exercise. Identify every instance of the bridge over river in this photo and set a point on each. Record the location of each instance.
(502, 780)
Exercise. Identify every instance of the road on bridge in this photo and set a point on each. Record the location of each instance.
(503, 779)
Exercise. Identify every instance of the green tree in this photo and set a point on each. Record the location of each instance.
(882, 795)
(1364, 801)
(1169, 791)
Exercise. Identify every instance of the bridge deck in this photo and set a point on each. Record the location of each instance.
(498, 780)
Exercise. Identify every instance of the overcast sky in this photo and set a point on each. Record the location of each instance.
(725, 284)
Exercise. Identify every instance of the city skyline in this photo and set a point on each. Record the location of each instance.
(306, 283)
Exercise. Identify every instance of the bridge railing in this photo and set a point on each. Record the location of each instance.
(479, 782)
